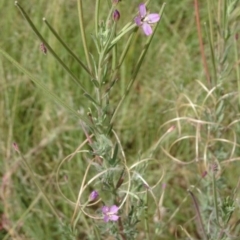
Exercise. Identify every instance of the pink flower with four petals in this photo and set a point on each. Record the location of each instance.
(110, 213)
(144, 20)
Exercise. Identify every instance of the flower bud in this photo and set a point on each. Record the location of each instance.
(43, 48)
(15, 146)
(93, 195)
(116, 15)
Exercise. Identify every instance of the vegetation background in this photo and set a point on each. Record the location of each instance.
(171, 90)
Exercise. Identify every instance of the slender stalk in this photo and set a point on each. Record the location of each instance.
(66, 47)
(96, 231)
(215, 197)
(30, 171)
(114, 52)
(119, 36)
(237, 67)
(78, 216)
(146, 220)
(210, 20)
(116, 68)
(82, 30)
(45, 89)
(199, 218)
(219, 19)
(137, 67)
(210, 34)
(77, 204)
(121, 229)
(213, 60)
(97, 17)
(109, 15)
(201, 41)
(48, 46)
(100, 68)
(28, 210)
(126, 48)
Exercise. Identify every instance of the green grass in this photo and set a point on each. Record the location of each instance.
(170, 90)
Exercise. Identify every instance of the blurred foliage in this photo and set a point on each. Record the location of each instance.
(166, 88)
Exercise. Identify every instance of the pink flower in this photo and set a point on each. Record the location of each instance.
(110, 213)
(144, 20)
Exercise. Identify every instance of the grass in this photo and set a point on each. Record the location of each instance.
(171, 89)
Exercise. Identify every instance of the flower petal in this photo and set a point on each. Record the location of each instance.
(153, 18)
(113, 218)
(106, 218)
(105, 209)
(142, 10)
(113, 209)
(138, 20)
(147, 29)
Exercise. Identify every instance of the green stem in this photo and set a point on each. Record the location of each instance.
(114, 53)
(119, 36)
(136, 70)
(146, 220)
(211, 40)
(97, 17)
(109, 15)
(44, 88)
(237, 68)
(66, 47)
(215, 197)
(97, 234)
(126, 48)
(200, 39)
(39, 187)
(27, 211)
(78, 216)
(114, 58)
(199, 218)
(213, 60)
(82, 30)
(210, 20)
(99, 70)
(48, 46)
(122, 57)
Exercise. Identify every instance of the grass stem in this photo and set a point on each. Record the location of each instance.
(83, 34)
